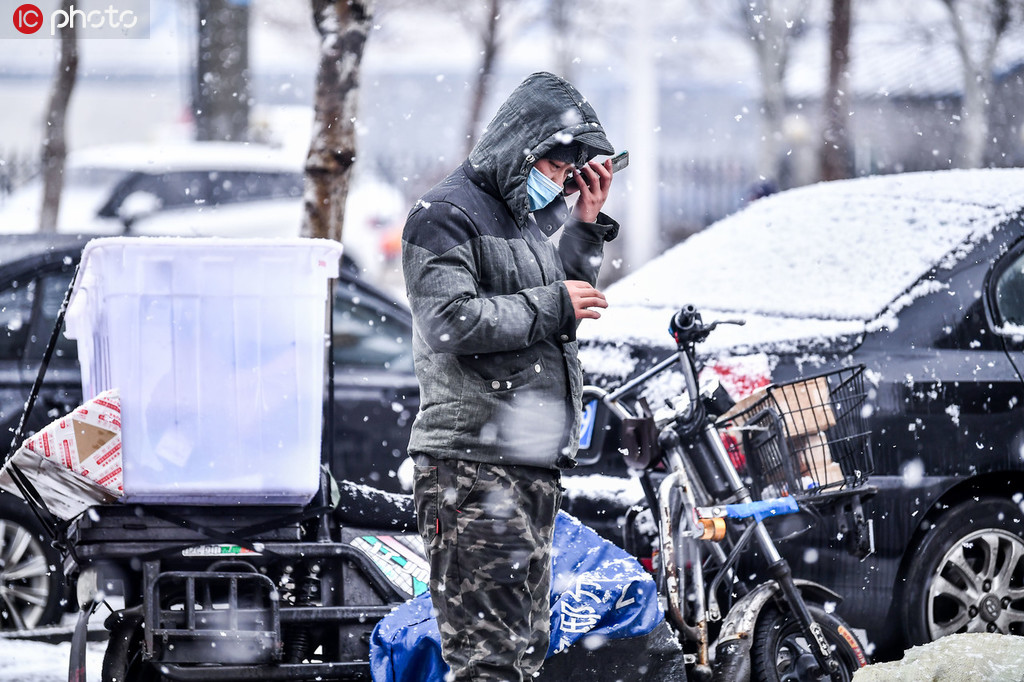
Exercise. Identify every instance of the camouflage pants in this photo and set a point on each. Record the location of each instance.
(487, 531)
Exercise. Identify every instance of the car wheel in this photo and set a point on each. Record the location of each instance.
(967, 574)
(31, 586)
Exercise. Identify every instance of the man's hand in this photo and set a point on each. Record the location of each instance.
(594, 181)
(584, 297)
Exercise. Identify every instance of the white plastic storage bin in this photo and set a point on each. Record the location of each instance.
(217, 348)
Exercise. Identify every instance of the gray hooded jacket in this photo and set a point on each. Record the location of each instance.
(494, 336)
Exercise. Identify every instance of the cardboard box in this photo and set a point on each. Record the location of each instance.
(736, 415)
(65, 493)
(75, 462)
(86, 442)
(804, 406)
(816, 461)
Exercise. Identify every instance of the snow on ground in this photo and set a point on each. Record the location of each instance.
(26, 661)
(973, 657)
(977, 657)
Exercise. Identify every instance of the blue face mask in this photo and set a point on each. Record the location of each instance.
(541, 189)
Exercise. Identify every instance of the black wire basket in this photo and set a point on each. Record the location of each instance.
(804, 438)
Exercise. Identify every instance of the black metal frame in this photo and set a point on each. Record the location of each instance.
(194, 607)
(774, 434)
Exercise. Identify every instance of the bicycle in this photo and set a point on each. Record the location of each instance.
(714, 474)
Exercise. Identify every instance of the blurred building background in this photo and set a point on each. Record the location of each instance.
(680, 83)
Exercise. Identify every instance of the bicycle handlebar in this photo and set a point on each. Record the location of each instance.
(687, 327)
(758, 510)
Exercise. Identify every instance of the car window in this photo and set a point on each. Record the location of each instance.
(52, 288)
(1010, 293)
(174, 190)
(101, 181)
(366, 336)
(15, 316)
(232, 186)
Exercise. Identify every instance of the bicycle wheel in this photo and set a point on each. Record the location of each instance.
(782, 653)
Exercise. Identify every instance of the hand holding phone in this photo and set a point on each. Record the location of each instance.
(619, 161)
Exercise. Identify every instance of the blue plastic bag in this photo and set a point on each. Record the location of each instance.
(596, 589)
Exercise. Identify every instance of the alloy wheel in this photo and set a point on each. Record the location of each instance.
(978, 586)
(24, 577)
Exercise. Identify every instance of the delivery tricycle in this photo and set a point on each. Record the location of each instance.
(187, 493)
(239, 593)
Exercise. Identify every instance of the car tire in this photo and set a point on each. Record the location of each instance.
(31, 582)
(965, 572)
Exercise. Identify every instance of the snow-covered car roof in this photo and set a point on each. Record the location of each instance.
(220, 156)
(818, 261)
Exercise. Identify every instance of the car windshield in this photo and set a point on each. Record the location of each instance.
(98, 180)
(833, 251)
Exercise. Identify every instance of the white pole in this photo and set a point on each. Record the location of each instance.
(642, 234)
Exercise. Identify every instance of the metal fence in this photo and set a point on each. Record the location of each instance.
(695, 193)
(691, 193)
(16, 168)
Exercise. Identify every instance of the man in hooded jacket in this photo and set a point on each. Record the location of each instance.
(495, 306)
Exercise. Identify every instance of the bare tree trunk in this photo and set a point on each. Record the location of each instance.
(221, 96)
(483, 78)
(978, 76)
(770, 26)
(54, 142)
(836, 156)
(561, 25)
(344, 26)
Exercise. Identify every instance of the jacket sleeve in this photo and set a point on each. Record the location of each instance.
(581, 247)
(441, 279)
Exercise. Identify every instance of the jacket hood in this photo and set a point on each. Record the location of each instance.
(543, 112)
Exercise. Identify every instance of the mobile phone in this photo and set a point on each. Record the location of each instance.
(619, 161)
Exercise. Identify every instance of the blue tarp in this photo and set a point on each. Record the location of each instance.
(597, 589)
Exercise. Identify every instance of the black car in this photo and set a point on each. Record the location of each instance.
(920, 278)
